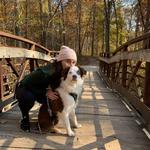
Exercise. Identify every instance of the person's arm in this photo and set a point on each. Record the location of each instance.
(51, 94)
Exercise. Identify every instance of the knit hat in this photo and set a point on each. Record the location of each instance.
(66, 53)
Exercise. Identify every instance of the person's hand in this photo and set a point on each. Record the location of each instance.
(52, 95)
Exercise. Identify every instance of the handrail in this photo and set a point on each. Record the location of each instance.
(128, 72)
(17, 60)
(15, 37)
(8, 52)
(132, 41)
(139, 55)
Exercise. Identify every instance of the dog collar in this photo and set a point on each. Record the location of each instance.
(74, 95)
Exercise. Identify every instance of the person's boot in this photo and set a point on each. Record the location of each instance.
(25, 124)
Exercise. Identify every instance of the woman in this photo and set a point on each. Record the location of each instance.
(35, 85)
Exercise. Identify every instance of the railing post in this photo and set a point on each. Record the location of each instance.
(32, 62)
(124, 70)
(101, 65)
(1, 81)
(32, 65)
(105, 69)
(113, 68)
(108, 66)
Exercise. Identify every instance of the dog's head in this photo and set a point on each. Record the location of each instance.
(74, 74)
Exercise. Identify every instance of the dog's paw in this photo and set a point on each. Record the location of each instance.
(55, 130)
(78, 126)
(71, 133)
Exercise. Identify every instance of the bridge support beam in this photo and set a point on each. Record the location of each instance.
(32, 65)
(147, 85)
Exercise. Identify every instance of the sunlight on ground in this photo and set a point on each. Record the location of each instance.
(107, 128)
(2, 141)
(85, 141)
(113, 145)
(98, 95)
(98, 113)
(87, 95)
(62, 138)
(95, 88)
(109, 133)
(86, 88)
(27, 141)
(104, 111)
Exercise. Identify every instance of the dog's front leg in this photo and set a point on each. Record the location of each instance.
(65, 119)
(74, 119)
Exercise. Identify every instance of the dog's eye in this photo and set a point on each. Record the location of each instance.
(70, 72)
(78, 72)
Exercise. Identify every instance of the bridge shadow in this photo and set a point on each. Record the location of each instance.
(114, 125)
(106, 124)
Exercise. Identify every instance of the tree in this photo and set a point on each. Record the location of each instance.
(107, 8)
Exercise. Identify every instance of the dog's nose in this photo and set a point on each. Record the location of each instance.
(74, 77)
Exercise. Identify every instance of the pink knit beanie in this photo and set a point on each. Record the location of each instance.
(66, 53)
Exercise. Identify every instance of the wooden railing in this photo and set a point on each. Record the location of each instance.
(128, 71)
(18, 57)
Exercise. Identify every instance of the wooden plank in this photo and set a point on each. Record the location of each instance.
(8, 35)
(141, 108)
(106, 124)
(139, 55)
(9, 61)
(14, 52)
(134, 72)
(133, 41)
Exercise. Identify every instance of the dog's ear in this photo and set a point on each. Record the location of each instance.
(65, 72)
(82, 71)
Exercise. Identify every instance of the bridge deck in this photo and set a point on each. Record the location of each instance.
(107, 124)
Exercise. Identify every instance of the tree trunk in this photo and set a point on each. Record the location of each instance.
(26, 18)
(117, 28)
(79, 26)
(41, 22)
(63, 25)
(93, 29)
(107, 7)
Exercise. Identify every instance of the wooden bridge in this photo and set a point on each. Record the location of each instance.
(114, 107)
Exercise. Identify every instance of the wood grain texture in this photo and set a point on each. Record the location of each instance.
(14, 52)
(106, 124)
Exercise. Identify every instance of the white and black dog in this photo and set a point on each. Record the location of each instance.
(63, 108)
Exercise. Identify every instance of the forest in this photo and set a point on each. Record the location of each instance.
(88, 26)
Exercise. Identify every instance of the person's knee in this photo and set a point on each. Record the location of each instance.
(25, 99)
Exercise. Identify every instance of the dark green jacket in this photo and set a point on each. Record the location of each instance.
(40, 79)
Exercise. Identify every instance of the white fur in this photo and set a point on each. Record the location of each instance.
(67, 86)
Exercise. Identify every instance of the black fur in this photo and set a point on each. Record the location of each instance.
(82, 71)
(65, 73)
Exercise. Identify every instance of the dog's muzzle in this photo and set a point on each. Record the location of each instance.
(74, 78)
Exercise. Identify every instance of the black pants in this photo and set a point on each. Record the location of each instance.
(26, 100)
